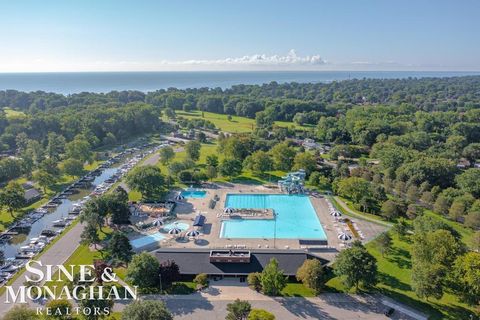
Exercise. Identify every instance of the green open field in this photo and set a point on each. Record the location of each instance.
(236, 125)
(395, 276)
(13, 114)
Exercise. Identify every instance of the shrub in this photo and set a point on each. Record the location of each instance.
(201, 280)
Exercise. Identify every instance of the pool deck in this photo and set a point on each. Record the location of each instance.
(187, 209)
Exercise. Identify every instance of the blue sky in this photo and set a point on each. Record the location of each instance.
(98, 35)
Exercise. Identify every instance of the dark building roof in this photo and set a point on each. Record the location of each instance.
(32, 194)
(199, 221)
(195, 261)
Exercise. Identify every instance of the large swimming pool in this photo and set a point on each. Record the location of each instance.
(295, 218)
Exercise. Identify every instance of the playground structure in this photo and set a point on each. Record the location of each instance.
(293, 182)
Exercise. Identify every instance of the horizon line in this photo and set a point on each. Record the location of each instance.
(221, 71)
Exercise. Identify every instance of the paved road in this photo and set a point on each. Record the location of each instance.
(212, 304)
(62, 249)
(328, 306)
(56, 255)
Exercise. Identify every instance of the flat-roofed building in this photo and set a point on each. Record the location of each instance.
(232, 262)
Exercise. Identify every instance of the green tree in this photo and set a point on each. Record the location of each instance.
(72, 167)
(254, 280)
(44, 179)
(238, 310)
(412, 194)
(166, 155)
(472, 220)
(465, 278)
(90, 235)
(260, 314)
(383, 242)
(60, 308)
(201, 280)
(21, 312)
(146, 310)
(79, 149)
(304, 161)
(259, 162)
(119, 247)
(312, 275)
(143, 271)
(170, 113)
(283, 156)
(273, 279)
(390, 209)
(230, 168)
(55, 145)
(441, 205)
(476, 240)
(356, 267)
(212, 160)
(472, 152)
(211, 172)
(12, 197)
(148, 180)
(193, 150)
(433, 254)
(468, 181)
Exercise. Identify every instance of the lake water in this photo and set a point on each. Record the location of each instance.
(75, 82)
(22, 239)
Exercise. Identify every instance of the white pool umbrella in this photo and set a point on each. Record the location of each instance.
(175, 230)
(158, 222)
(344, 237)
(228, 210)
(193, 233)
(179, 197)
(336, 214)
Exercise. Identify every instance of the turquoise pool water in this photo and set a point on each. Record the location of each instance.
(181, 225)
(146, 240)
(194, 194)
(295, 218)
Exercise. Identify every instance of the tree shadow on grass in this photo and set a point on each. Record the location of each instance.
(393, 282)
(432, 308)
(400, 257)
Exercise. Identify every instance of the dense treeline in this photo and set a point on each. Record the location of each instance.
(43, 137)
(282, 101)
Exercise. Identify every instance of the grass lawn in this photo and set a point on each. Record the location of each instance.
(84, 256)
(13, 114)
(237, 124)
(182, 287)
(294, 289)
(395, 281)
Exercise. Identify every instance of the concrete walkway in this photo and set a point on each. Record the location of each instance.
(344, 207)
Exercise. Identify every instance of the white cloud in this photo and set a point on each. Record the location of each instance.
(291, 59)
